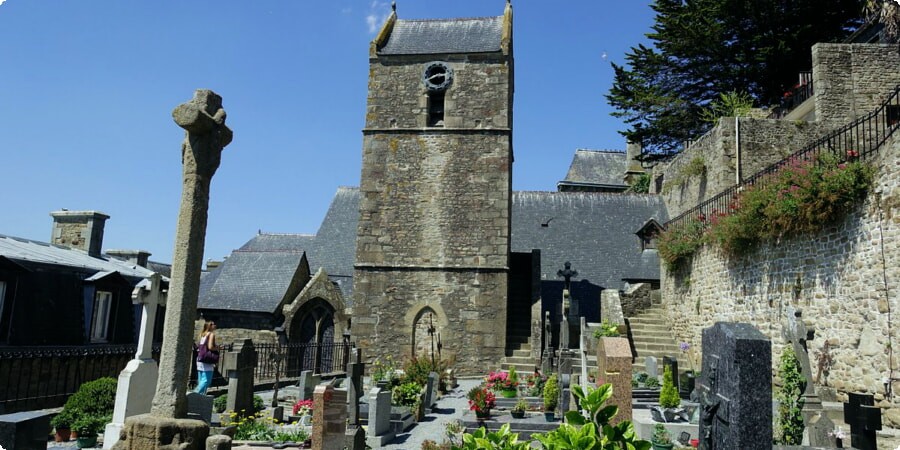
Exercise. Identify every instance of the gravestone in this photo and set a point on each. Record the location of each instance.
(206, 134)
(864, 419)
(736, 388)
(431, 390)
(355, 436)
(137, 382)
(547, 360)
(614, 364)
(797, 333)
(200, 406)
(672, 363)
(238, 366)
(379, 431)
(329, 418)
(651, 367)
(307, 383)
(565, 380)
(819, 428)
(564, 323)
(26, 430)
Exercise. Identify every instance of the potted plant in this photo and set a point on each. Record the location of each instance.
(518, 411)
(551, 397)
(62, 423)
(481, 400)
(503, 382)
(88, 427)
(661, 439)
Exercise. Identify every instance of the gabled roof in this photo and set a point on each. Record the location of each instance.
(418, 37)
(251, 280)
(26, 251)
(601, 168)
(592, 230)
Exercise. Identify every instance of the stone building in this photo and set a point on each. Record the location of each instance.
(434, 225)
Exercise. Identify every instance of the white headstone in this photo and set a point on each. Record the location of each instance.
(652, 367)
(137, 382)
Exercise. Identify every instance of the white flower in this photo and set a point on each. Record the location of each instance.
(838, 433)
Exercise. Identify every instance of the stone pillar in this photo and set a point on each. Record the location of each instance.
(379, 431)
(238, 366)
(203, 120)
(614, 361)
(137, 381)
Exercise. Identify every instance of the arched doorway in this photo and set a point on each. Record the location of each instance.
(313, 328)
(425, 335)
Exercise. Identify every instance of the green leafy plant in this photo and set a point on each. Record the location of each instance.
(63, 420)
(94, 401)
(607, 329)
(592, 430)
(641, 377)
(88, 425)
(520, 405)
(482, 439)
(481, 399)
(534, 385)
(668, 396)
(679, 242)
(407, 394)
(294, 435)
(651, 383)
(220, 403)
(513, 376)
(551, 393)
(661, 435)
(790, 399)
(641, 185)
(729, 104)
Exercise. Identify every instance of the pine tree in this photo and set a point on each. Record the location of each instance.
(668, 395)
(704, 48)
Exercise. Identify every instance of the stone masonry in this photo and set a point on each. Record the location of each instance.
(434, 225)
(836, 277)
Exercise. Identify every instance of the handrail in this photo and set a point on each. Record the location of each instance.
(863, 137)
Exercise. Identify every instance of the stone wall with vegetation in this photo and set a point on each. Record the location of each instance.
(707, 167)
(846, 280)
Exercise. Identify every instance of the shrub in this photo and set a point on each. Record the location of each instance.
(790, 399)
(661, 435)
(407, 394)
(90, 425)
(551, 393)
(607, 329)
(418, 369)
(678, 243)
(93, 403)
(258, 404)
(641, 185)
(63, 420)
(668, 396)
(651, 383)
(534, 385)
(220, 403)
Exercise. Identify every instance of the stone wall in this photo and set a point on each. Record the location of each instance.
(837, 278)
(636, 299)
(762, 142)
(851, 80)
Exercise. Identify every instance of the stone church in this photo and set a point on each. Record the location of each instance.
(434, 252)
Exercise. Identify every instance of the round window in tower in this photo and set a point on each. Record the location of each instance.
(437, 76)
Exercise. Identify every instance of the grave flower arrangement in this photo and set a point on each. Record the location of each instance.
(303, 408)
(500, 381)
(534, 385)
(481, 399)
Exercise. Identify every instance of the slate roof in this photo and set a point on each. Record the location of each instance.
(29, 251)
(592, 230)
(253, 279)
(422, 37)
(597, 167)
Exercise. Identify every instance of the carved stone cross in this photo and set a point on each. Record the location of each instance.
(567, 273)
(797, 333)
(205, 135)
(150, 294)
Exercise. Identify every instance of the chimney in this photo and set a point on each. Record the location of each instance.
(79, 229)
(633, 167)
(136, 257)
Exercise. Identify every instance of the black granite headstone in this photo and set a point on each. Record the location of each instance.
(672, 363)
(736, 388)
(864, 420)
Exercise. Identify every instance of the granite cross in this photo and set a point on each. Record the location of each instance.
(567, 273)
(797, 333)
(864, 419)
(205, 135)
(150, 294)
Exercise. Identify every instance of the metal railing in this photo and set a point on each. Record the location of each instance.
(801, 92)
(288, 360)
(858, 139)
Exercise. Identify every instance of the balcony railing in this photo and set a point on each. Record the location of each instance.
(802, 91)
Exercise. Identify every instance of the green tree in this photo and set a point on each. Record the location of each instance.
(887, 13)
(704, 48)
(790, 399)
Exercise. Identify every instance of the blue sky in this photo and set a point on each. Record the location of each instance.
(87, 89)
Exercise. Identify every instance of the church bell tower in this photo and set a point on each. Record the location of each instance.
(432, 252)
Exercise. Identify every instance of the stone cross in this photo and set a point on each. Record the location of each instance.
(355, 371)
(136, 383)
(797, 333)
(547, 360)
(864, 420)
(150, 294)
(203, 120)
(567, 273)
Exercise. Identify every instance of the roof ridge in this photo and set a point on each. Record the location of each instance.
(600, 150)
(455, 19)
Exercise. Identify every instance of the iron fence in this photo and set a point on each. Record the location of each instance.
(288, 360)
(858, 139)
(801, 92)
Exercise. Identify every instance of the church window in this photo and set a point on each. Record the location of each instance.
(100, 319)
(436, 109)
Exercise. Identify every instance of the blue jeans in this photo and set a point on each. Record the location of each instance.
(204, 380)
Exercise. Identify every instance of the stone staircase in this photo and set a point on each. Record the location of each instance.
(652, 336)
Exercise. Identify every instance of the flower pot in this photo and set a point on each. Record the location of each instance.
(549, 416)
(62, 435)
(86, 441)
(657, 446)
(482, 414)
(517, 414)
(509, 393)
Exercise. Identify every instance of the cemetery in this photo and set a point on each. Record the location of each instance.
(769, 323)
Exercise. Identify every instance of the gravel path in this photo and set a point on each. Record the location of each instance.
(449, 408)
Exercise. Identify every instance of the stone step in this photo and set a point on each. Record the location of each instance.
(652, 346)
(520, 368)
(653, 339)
(518, 360)
(521, 353)
(649, 327)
